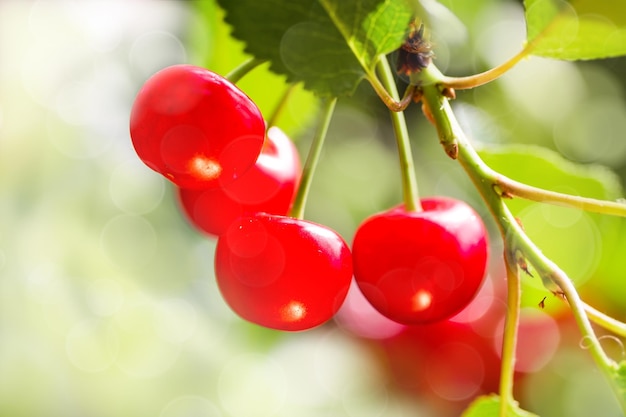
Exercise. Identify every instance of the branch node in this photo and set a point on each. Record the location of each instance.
(560, 294)
(520, 259)
(448, 92)
(502, 193)
(451, 148)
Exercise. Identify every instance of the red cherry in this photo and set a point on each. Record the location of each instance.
(421, 267)
(446, 364)
(450, 362)
(282, 273)
(269, 186)
(195, 127)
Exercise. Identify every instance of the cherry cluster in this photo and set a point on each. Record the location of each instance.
(237, 180)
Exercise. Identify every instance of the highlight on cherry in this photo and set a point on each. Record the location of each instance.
(195, 127)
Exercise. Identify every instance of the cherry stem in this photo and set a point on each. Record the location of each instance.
(297, 209)
(280, 106)
(407, 170)
(510, 188)
(244, 68)
(471, 81)
(515, 239)
(601, 319)
(509, 338)
(507, 187)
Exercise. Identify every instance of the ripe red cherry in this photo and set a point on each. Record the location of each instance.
(282, 273)
(195, 127)
(421, 267)
(269, 186)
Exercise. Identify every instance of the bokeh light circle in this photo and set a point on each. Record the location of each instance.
(190, 406)
(251, 385)
(92, 345)
(129, 241)
(136, 189)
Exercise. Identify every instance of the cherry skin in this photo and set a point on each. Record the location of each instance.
(269, 186)
(423, 266)
(444, 364)
(282, 273)
(448, 363)
(195, 127)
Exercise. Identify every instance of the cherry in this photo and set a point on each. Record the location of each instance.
(445, 364)
(195, 127)
(269, 186)
(423, 266)
(281, 272)
(449, 362)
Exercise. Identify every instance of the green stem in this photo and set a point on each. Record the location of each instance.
(509, 338)
(506, 186)
(515, 239)
(297, 210)
(239, 72)
(471, 81)
(512, 188)
(280, 106)
(430, 77)
(609, 323)
(407, 170)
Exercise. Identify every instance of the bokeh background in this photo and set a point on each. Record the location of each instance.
(108, 305)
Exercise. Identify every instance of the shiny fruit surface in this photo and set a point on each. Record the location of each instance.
(423, 266)
(282, 273)
(195, 127)
(269, 187)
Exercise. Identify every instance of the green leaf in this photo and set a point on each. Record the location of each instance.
(581, 243)
(489, 406)
(218, 51)
(576, 29)
(330, 45)
(607, 286)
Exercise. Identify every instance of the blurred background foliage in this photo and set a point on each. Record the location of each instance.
(108, 305)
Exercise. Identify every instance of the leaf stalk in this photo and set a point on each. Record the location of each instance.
(476, 80)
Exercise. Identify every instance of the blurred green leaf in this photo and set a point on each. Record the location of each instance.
(607, 290)
(489, 406)
(576, 29)
(328, 44)
(579, 242)
(542, 167)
